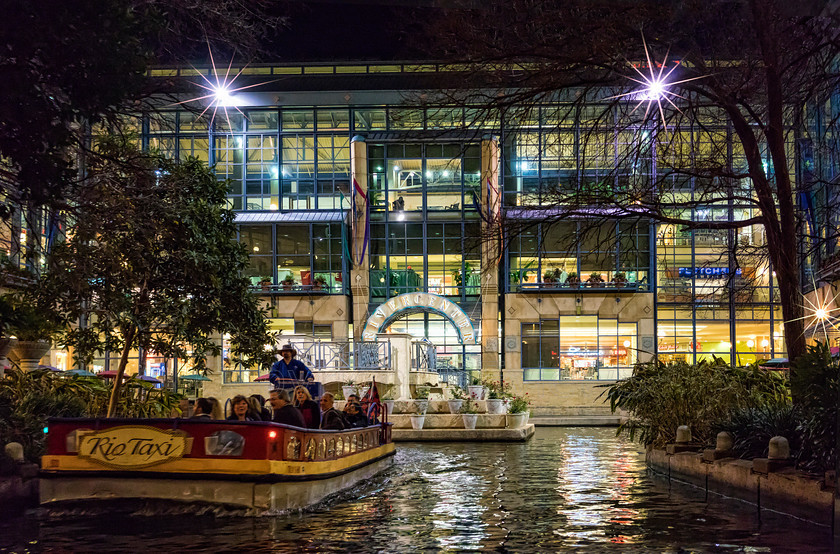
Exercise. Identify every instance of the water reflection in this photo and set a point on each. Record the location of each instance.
(566, 488)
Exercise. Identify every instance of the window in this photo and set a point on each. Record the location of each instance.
(578, 348)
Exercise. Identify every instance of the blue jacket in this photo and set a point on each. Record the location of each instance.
(292, 370)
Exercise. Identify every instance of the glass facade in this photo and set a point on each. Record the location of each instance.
(712, 293)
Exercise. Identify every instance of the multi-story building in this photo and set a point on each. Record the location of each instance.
(350, 190)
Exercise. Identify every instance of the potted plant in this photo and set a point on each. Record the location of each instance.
(417, 420)
(288, 282)
(495, 397)
(387, 400)
(469, 413)
(265, 282)
(619, 279)
(552, 276)
(475, 389)
(421, 400)
(458, 397)
(348, 388)
(319, 282)
(595, 279)
(32, 328)
(573, 280)
(518, 412)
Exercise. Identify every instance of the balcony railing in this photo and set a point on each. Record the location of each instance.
(343, 355)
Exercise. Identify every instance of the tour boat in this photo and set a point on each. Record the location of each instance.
(260, 466)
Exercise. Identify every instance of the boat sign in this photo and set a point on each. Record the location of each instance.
(132, 446)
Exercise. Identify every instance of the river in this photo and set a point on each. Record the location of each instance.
(567, 488)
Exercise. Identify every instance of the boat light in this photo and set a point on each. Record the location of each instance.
(272, 434)
(46, 430)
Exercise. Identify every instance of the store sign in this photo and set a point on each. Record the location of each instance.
(132, 446)
(423, 301)
(706, 272)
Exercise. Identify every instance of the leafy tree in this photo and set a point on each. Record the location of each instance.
(749, 66)
(151, 260)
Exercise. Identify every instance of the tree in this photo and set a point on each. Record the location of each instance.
(749, 65)
(151, 261)
(70, 64)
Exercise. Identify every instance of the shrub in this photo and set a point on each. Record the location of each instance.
(753, 427)
(519, 404)
(662, 396)
(815, 382)
(28, 399)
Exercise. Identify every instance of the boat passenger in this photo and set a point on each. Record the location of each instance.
(310, 410)
(354, 416)
(288, 368)
(241, 410)
(330, 417)
(217, 412)
(284, 412)
(352, 399)
(257, 404)
(203, 409)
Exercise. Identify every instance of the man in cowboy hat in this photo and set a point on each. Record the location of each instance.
(289, 368)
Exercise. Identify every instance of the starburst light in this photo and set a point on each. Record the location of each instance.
(823, 314)
(655, 86)
(220, 89)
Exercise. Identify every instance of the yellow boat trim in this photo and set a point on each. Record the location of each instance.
(225, 465)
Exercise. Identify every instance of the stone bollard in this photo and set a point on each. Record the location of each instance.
(723, 448)
(14, 450)
(683, 442)
(779, 449)
(724, 441)
(778, 457)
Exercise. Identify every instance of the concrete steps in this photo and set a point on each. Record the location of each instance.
(464, 435)
(578, 421)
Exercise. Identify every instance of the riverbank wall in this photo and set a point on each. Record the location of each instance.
(786, 490)
(19, 491)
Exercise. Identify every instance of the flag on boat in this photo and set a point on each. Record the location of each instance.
(370, 403)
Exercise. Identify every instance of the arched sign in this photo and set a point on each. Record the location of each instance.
(414, 302)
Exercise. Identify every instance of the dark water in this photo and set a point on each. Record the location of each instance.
(568, 488)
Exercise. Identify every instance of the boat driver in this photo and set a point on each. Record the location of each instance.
(288, 368)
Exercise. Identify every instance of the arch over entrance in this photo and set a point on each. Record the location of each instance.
(415, 302)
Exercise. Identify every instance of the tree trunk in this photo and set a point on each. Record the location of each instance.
(115, 391)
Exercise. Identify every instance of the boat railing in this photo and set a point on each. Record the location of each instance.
(214, 439)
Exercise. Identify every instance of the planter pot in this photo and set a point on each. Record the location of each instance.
(506, 404)
(476, 391)
(29, 353)
(6, 345)
(389, 406)
(516, 421)
(455, 406)
(496, 406)
(420, 406)
(347, 390)
(469, 420)
(417, 421)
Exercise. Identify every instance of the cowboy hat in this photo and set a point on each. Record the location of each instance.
(288, 348)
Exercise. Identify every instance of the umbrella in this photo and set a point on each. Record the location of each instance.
(51, 368)
(111, 374)
(149, 379)
(194, 377)
(80, 373)
(776, 363)
(262, 378)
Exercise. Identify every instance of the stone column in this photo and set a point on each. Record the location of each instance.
(491, 204)
(400, 362)
(359, 272)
